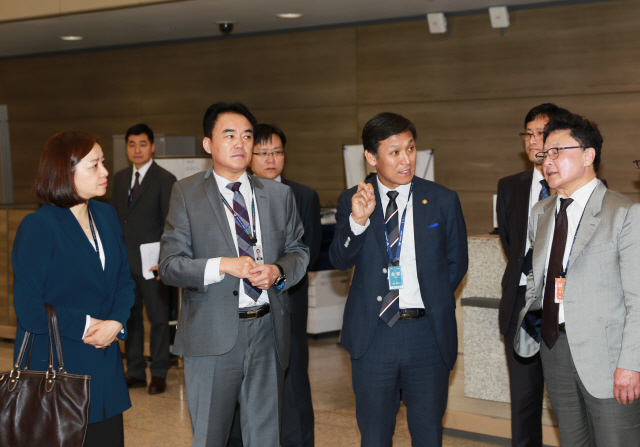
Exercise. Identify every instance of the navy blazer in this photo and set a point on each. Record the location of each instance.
(442, 257)
(54, 263)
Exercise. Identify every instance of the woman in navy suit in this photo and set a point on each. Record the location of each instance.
(71, 255)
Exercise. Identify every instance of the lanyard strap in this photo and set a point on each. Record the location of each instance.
(396, 261)
(93, 233)
(254, 236)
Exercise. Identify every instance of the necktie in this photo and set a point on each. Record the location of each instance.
(134, 188)
(550, 307)
(245, 244)
(389, 313)
(544, 192)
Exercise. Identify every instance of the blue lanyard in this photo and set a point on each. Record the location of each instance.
(93, 233)
(254, 239)
(396, 261)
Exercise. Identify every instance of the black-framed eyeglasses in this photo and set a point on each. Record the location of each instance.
(554, 152)
(526, 136)
(636, 163)
(276, 154)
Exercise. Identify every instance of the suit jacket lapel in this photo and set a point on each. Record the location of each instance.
(523, 196)
(546, 222)
(421, 215)
(109, 242)
(262, 203)
(589, 223)
(219, 210)
(144, 185)
(72, 229)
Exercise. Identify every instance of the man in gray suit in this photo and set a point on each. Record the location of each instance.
(233, 329)
(583, 294)
(141, 198)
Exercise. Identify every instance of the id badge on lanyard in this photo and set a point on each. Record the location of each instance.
(394, 271)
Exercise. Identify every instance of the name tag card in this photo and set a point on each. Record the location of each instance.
(394, 273)
(559, 290)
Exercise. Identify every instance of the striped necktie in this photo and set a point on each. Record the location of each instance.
(134, 188)
(245, 244)
(389, 312)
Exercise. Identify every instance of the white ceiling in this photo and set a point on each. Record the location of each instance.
(196, 19)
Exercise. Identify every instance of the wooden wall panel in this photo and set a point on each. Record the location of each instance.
(559, 51)
(467, 93)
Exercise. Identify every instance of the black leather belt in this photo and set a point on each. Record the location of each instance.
(411, 314)
(255, 313)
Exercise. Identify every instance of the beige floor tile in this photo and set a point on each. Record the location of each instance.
(163, 420)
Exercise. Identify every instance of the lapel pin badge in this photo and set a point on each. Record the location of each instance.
(424, 202)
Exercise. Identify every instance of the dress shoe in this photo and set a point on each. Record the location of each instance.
(158, 385)
(133, 382)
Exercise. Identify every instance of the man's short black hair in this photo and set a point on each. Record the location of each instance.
(139, 129)
(219, 108)
(383, 126)
(585, 132)
(548, 110)
(264, 133)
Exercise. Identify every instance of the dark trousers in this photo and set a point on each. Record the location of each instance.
(153, 296)
(526, 386)
(402, 361)
(297, 426)
(583, 420)
(106, 433)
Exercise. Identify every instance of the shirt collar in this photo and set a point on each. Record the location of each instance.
(582, 195)
(403, 190)
(223, 182)
(537, 176)
(143, 170)
(278, 179)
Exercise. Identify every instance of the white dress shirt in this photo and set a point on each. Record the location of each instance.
(212, 270)
(102, 260)
(574, 216)
(534, 194)
(409, 295)
(143, 171)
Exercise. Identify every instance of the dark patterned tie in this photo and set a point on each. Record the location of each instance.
(550, 307)
(245, 244)
(544, 192)
(389, 313)
(134, 188)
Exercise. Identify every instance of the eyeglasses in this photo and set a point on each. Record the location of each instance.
(276, 154)
(554, 152)
(636, 163)
(528, 135)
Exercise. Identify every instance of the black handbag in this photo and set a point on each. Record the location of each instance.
(43, 408)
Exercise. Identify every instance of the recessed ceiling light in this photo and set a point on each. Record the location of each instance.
(71, 37)
(289, 15)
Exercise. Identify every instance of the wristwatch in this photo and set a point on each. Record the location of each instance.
(280, 280)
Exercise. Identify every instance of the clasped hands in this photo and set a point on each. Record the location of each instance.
(363, 203)
(260, 276)
(102, 333)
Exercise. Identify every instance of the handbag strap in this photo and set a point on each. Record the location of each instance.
(23, 349)
(52, 322)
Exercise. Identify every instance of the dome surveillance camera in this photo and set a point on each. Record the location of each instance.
(225, 27)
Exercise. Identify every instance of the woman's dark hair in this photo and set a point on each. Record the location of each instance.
(54, 184)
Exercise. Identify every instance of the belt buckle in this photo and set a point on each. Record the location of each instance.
(406, 316)
(253, 314)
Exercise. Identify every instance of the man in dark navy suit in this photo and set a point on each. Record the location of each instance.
(407, 239)
(516, 196)
(297, 409)
(140, 196)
